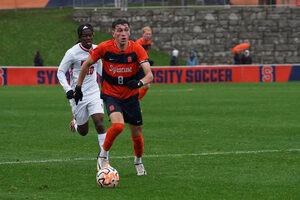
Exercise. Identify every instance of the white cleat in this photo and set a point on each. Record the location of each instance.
(102, 162)
(140, 170)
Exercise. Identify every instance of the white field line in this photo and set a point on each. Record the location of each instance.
(149, 156)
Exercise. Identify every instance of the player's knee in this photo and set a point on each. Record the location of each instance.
(147, 86)
(118, 127)
(100, 127)
(83, 129)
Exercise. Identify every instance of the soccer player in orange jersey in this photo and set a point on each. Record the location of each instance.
(144, 41)
(121, 60)
(146, 44)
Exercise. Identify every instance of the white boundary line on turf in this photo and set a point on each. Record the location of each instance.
(149, 156)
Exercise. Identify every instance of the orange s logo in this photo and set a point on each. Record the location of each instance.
(129, 59)
(111, 108)
(267, 74)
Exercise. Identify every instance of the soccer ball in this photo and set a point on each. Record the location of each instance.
(107, 177)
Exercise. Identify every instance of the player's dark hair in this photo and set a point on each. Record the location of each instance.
(83, 27)
(119, 21)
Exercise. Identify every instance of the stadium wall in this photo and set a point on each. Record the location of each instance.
(166, 75)
(273, 32)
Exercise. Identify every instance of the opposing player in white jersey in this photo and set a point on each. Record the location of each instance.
(91, 104)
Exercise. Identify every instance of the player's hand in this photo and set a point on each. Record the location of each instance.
(78, 94)
(133, 84)
(70, 94)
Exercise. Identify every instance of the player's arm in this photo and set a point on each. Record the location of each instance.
(144, 63)
(61, 74)
(84, 69)
(148, 73)
(133, 84)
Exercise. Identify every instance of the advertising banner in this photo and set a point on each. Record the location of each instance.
(167, 75)
(220, 74)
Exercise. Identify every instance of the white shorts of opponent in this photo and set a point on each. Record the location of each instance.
(89, 105)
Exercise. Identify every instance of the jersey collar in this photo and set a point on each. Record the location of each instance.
(84, 49)
(116, 46)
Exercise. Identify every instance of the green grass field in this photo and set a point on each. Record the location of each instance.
(202, 141)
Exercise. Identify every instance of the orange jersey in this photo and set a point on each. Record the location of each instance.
(144, 44)
(119, 67)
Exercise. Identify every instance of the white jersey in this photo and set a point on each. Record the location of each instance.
(72, 61)
(91, 102)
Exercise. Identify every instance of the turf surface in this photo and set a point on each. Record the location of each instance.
(202, 141)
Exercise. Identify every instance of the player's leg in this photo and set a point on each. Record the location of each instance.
(116, 128)
(96, 111)
(138, 146)
(80, 119)
(98, 119)
(114, 112)
(81, 129)
(133, 116)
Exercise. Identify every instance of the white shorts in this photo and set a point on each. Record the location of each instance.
(89, 105)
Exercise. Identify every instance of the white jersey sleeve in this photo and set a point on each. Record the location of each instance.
(72, 61)
(65, 64)
(99, 67)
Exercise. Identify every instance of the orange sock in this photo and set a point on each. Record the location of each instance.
(138, 145)
(143, 91)
(112, 133)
